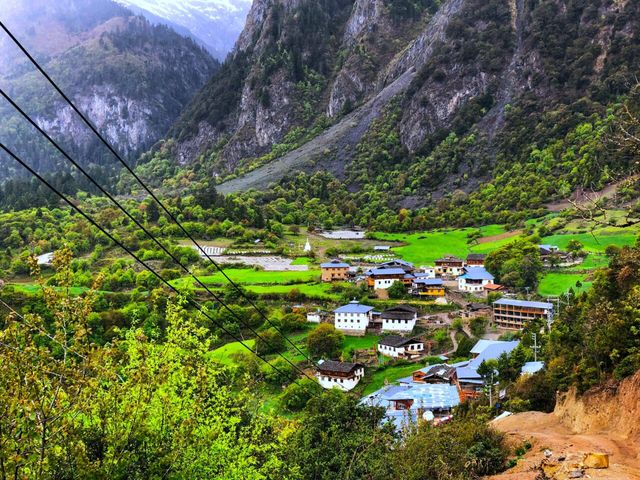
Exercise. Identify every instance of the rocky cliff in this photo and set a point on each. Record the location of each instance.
(132, 79)
(489, 70)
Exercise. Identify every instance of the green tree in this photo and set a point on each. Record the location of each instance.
(325, 341)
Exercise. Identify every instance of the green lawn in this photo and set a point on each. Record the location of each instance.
(391, 374)
(597, 242)
(249, 276)
(34, 289)
(302, 261)
(558, 283)
(314, 290)
(425, 248)
(359, 343)
(223, 354)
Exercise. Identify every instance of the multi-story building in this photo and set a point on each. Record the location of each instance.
(515, 314)
(400, 347)
(342, 375)
(449, 266)
(353, 318)
(334, 271)
(476, 259)
(401, 318)
(474, 280)
(428, 287)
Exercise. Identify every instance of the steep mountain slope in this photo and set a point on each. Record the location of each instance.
(131, 78)
(493, 79)
(215, 23)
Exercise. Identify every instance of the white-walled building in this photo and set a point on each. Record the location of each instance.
(342, 375)
(316, 316)
(425, 272)
(401, 318)
(474, 280)
(400, 347)
(353, 318)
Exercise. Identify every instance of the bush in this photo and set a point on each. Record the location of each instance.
(296, 396)
(269, 341)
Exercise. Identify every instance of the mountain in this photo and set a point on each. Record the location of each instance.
(130, 77)
(215, 23)
(418, 100)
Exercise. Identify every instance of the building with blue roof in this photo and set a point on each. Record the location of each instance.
(474, 280)
(405, 404)
(530, 368)
(334, 271)
(516, 314)
(353, 318)
(430, 287)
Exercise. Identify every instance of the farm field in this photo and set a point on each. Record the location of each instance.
(312, 290)
(425, 248)
(554, 284)
(249, 276)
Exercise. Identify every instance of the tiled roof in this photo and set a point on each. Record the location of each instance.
(338, 367)
(397, 341)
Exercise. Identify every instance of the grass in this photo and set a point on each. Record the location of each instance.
(595, 243)
(249, 276)
(393, 373)
(302, 261)
(553, 284)
(312, 290)
(425, 248)
(34, 289)
(223, 354)
(359, 343)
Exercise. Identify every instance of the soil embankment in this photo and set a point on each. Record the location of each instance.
(603, 420)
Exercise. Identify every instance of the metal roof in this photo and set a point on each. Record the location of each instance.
(477, 273)
(334, 264)
(532, 367)
(353, 307)
(493, 352)
(429, 281)
(523, 303)
(388, 271)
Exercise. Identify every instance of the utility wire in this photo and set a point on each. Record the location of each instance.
(50, 337)
(87, 217)
(146, 188)
(141, 226)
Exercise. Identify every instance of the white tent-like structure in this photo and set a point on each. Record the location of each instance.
(307, 246)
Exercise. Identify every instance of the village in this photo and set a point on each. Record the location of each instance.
(464, 289)
(432, 392)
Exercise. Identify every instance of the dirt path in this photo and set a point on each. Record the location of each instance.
(545, 431)
(502, 236)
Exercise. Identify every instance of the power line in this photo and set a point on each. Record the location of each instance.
(50, 337)
(87, 217)
(142, 227)
(147, 189)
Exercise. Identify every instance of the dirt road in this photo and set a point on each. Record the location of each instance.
(546, 432)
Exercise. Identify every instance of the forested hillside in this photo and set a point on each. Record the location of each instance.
(521, 98)
(131, 78)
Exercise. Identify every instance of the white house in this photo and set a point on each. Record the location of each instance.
(316, 316)
(474, 280)
(342, 375)
(383, 278)
(353, 318)
(400, 347)
(425, 272)
(401, 318)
